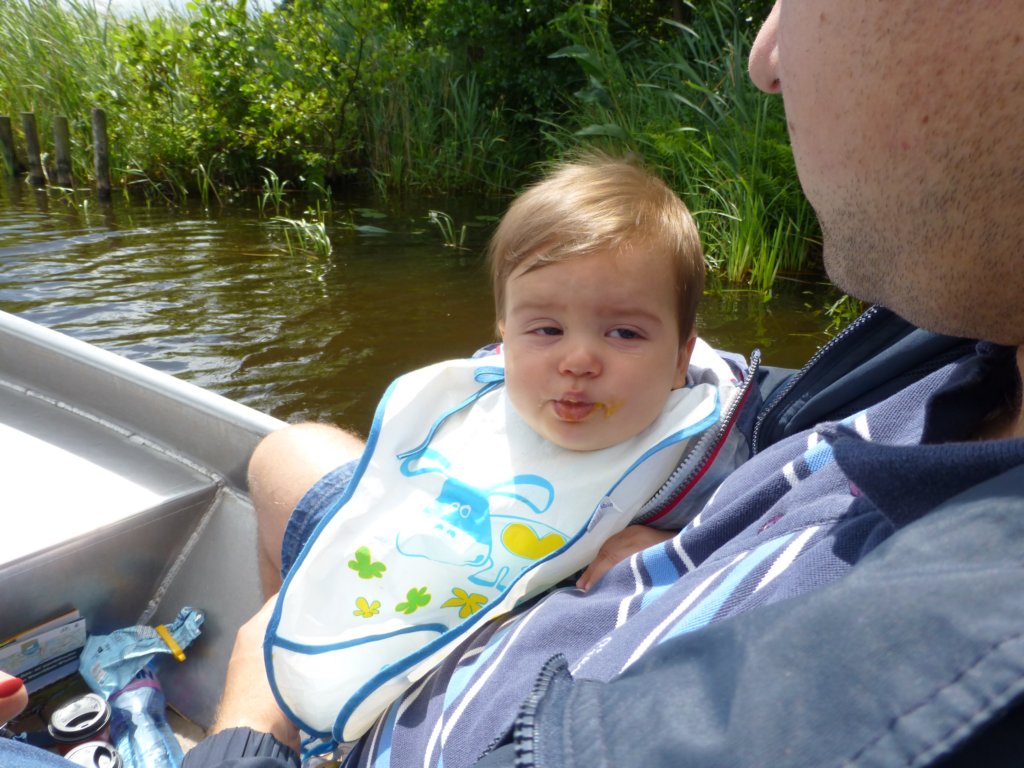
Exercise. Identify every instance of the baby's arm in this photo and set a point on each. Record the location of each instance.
(621, 545)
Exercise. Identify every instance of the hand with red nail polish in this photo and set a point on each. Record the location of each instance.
(13, 697)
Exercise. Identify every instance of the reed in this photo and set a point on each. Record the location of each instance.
(452, 238)
(54, 56)
(323, 194)
(273, 192)
(64, 57)
(205, 181)
(430, 129)
(842, 312)
(305, 236)
(168, 189)
(687, 105)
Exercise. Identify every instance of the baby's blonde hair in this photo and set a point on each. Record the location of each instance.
(600, 203)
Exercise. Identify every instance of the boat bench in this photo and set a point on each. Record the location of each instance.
(123, 495)
(94, 517)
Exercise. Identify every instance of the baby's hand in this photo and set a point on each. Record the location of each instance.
(621, 545)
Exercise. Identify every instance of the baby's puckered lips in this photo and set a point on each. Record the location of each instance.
(568, 409)
(574, 408)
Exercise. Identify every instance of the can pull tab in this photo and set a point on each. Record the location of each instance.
(165, 635)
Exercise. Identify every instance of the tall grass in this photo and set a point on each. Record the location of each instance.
(431, 130)
(213, 96)
(446, 225)
(273, 192)
(54, 60)
(686, 104)
(64, 57)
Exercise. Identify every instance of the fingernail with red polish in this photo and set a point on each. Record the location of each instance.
(10, 687)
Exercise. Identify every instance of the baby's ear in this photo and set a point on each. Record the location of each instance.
(683, 363)
(690, 344)
(501, 329)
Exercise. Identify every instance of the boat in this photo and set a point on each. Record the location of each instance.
(124, 497)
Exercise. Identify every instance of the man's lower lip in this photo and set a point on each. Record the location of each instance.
(570, 411)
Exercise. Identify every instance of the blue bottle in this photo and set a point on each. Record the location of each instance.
(138, 725)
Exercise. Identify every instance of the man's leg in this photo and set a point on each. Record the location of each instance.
(282, 468)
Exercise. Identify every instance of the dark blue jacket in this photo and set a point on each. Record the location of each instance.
(916, 657)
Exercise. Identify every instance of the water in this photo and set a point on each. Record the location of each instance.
(215, 297)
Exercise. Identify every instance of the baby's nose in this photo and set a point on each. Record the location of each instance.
(580, 359)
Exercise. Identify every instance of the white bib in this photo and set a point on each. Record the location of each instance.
(457, 511)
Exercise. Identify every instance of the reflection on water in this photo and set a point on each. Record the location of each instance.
(215, 298)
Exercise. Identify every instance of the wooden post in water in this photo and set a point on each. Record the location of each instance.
(62, 151)
(101, 160)
(35, 166)
(7, 145)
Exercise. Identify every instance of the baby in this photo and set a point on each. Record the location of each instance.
(594, 430)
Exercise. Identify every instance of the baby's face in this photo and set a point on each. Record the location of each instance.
(592, 346)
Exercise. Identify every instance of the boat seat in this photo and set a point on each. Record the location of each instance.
(94, 515)
(124, 496)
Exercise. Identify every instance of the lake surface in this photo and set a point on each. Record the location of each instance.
(217, 298)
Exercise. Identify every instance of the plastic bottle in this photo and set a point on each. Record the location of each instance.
(138, 725)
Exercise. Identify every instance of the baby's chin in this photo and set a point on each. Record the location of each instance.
(581, 437)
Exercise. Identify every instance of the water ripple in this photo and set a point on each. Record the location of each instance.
(217, 299)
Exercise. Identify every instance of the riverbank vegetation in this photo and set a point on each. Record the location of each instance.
(431, 96)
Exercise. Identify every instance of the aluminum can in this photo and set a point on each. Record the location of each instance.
(81, 719)
(95, 754)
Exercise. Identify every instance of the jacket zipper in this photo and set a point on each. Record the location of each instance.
(841, 338)
(525, 726)
(675, 489)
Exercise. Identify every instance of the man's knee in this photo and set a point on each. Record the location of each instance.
(288, 461)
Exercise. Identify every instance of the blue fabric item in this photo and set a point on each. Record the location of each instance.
(240, 748)
(15, 754)
(311, 510)
(875, 357)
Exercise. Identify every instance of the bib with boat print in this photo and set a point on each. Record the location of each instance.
(457, 511)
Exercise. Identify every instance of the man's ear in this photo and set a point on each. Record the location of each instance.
(683, 362)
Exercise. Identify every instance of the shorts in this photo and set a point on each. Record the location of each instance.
(311, 509)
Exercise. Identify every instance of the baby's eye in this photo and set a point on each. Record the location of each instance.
(625, 333)
(547, 330)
